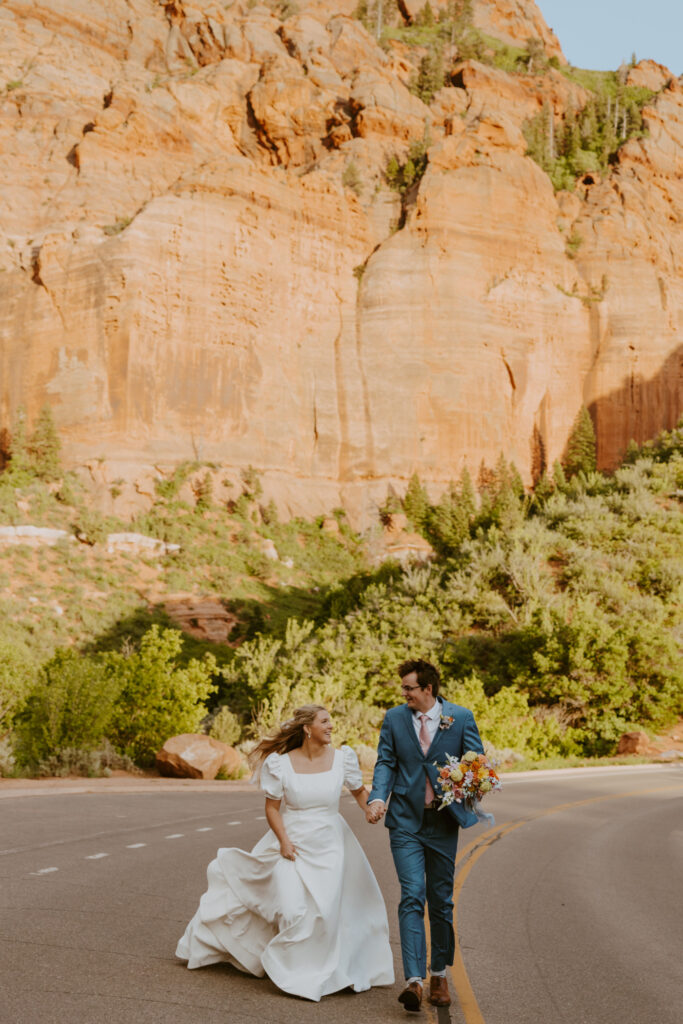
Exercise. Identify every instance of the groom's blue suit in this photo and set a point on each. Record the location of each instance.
(423, 842)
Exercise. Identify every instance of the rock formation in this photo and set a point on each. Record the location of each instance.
(201, 259)
(195, 756)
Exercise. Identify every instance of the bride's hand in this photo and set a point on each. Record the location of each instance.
(287, 849)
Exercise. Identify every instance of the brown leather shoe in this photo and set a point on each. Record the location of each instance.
(411, 996)
(438, 992)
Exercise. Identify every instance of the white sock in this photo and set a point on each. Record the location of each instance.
(438, 974)
(409, 981)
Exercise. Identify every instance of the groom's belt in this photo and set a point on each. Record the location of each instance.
(433, 805)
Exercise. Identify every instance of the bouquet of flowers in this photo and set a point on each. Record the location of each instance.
(466, 780)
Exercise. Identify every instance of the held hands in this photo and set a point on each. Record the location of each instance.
(287, 849)
(374, 812)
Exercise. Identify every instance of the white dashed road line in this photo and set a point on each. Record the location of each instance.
(139, 846)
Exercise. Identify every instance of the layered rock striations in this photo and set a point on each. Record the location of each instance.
(200, 255)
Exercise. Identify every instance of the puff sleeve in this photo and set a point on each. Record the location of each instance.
(271, 777)
(353, 777)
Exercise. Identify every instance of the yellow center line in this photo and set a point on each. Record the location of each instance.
(468, 858)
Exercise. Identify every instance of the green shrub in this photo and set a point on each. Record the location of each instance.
(8, 762)
(70, 705)
(158, 696)
(351, 178)
(16, 678)
(225, 726)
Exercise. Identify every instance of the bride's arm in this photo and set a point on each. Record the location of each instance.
(361, 797)
(274, 819)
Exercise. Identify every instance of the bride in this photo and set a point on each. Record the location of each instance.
(304, 906)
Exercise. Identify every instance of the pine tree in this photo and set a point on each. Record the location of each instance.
(44, 446)
(416, 503)
(20, 459)
(466, 495)
(580, 455)
(559, 477)
(543, 489)
(425, 17)
(430, 76)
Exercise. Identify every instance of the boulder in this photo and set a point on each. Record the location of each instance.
(204, 617)
(648, 74)
(195, 756)
(634, 743)
(32, 535)
(269, 550)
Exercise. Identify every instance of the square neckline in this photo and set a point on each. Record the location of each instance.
(325, 772)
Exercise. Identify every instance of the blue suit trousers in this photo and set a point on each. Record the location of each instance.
(425, 864)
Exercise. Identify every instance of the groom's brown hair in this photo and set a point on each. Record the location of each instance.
(426, 674)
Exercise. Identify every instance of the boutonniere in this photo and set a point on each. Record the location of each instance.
(445, 721)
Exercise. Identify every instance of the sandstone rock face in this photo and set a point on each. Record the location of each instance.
(195, 756)
(200, 257)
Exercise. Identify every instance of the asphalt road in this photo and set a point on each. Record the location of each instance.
(569, 910)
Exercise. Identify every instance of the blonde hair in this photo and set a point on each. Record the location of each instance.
(289, 735)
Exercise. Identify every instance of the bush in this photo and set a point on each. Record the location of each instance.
(225, 726)
(8, 762)
(91, 763)
(158, 697)
(16, 678)
(71, 705)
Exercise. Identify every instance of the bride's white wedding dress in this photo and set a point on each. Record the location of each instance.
(314, 925)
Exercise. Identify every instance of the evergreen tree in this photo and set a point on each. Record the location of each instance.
(416, 503)
(505, 499)
(559, 477)
(20, 458)
(580, 455)
(430, 76)
(466, 495)
(449, 522)
(44, 446)
(425, 17)
(543, 489)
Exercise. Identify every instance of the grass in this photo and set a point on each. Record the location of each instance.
(573, 761)
(105, 598)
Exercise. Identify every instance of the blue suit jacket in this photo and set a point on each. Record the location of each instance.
(402, 768)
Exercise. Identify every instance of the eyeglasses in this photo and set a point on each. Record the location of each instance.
(407, 689)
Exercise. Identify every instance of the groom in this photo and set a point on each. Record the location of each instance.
(423, 839)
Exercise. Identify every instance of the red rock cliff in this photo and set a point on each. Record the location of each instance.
(201, 257)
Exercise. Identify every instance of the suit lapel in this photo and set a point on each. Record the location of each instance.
(440, 733)
(410, 726)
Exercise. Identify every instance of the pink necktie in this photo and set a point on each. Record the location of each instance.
(426, 743)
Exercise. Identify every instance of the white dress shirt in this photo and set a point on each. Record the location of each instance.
(433, 717)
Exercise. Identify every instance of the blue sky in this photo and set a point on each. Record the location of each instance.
(600, 34)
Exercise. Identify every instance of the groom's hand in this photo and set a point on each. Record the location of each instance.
(374, 812)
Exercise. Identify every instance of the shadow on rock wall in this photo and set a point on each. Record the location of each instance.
(638, 410)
